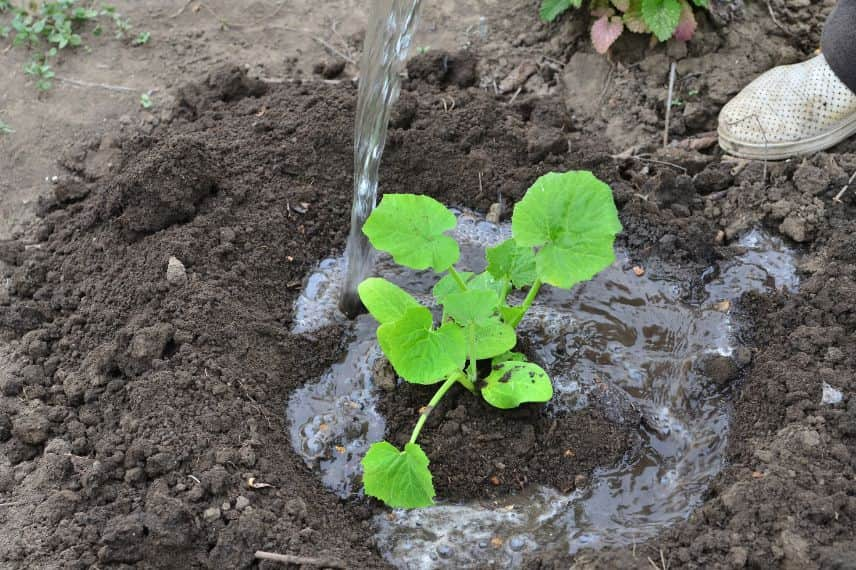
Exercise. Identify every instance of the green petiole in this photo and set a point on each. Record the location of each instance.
(527, 302)
(426, 411)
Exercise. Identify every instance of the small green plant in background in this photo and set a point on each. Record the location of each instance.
(563, 232)
(5, 129)
(664, 19)
(50, 26)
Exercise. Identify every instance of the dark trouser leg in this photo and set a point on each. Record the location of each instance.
(839, 42)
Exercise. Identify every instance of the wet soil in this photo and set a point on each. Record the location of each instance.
(479, 452)
(138, 403)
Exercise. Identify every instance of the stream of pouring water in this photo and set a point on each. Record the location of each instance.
(390, 31)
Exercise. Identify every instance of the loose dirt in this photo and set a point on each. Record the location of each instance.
(136, 409)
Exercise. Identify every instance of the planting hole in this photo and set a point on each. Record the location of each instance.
(624, 343)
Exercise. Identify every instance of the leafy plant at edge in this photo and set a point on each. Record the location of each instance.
(563, 233)
(662, 18)
(59, 24)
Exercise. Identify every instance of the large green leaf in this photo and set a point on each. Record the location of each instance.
(513, 262)
(662, 17)
(551, 9)
(412, 229)
(512, 383)
(400, 479)
(419, 353)
(573, 219)
(387, 302)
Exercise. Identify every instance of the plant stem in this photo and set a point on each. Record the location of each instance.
(426, 411)
(471, 370)
(527, 302)
(458, 279)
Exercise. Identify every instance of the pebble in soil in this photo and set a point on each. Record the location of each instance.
(624, 337)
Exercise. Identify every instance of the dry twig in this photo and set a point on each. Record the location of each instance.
(79, 83)
(672, 73)
(300, 560)
(837, 198)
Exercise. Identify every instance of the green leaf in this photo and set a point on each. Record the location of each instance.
(401, 479)
(572, 217)
(512, 314)
(551, 9)
(471, 306)
(492, 337)
(662, 16)
(513, 383)
(475, 310)
(486, 282)
(702, 3)
(483, 282)
(447, 285)
(509, 356)
(412, 229)
(513, 262)
(419, 353)
(387, 302)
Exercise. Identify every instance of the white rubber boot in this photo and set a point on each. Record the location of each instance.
(788, 111)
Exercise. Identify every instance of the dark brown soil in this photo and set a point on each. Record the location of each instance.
(134, 410)
(480, 452)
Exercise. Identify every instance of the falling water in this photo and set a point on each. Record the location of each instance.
(390, 30)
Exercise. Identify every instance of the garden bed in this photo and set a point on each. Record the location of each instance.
(142, 408)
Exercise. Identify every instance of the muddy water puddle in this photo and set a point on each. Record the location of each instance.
(620, 342)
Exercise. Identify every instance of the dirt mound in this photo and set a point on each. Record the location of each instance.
(136, 408)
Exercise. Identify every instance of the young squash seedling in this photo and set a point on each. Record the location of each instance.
(563, 231)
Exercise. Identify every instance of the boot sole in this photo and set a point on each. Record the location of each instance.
(783, 151)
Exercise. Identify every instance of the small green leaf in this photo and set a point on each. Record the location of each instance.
(551, 9)
(471, 306)
(417, 352)
(486, 282)
(509, 356)
(513, 383)
(662, 16)
(511, 314)
(571, 216)
(447, 285)
(492, 337)
(513, 262)
(412, 229)
(401, 479)
(385, 301)
(702, 3)
(475, 310)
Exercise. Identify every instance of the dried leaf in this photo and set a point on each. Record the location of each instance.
(604, 32)
(687, 24)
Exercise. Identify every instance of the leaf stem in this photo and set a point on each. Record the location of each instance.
(527, 302)
(458, 279)
(426, 411)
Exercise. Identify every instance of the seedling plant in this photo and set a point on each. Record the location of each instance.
(563, 231)
(664, 19)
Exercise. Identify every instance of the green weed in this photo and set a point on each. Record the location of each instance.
(50, 26)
